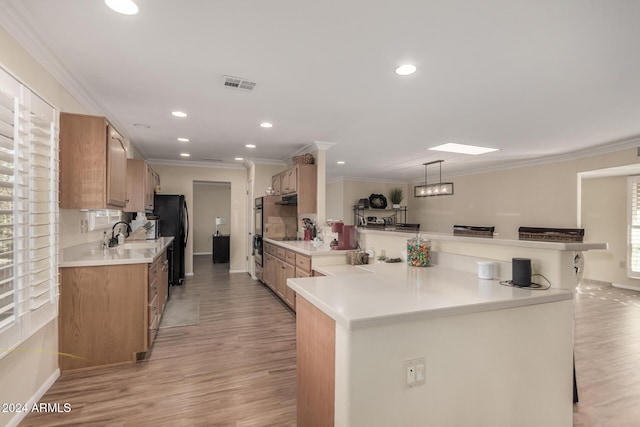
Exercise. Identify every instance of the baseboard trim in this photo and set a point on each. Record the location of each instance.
(188, 274)
(19, 416)
(203, 253)
(627, 287)
(239, 271)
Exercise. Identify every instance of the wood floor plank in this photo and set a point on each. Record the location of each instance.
(237, 366)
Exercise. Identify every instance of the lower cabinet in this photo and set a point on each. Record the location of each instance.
(281, 264)
(109, 314)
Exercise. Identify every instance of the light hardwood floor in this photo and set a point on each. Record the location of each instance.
(237, 367)
(607, 349)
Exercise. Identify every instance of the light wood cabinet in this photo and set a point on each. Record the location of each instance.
(289, 181)
(109, 314)
(269, 266)
(141, 184)
(93, 163)
(276, 182)
(281, 264)
(302, 180)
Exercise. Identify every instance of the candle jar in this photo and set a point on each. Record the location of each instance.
(419, 251)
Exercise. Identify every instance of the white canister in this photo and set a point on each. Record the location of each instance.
(486, 269)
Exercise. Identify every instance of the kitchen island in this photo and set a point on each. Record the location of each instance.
(481, 353)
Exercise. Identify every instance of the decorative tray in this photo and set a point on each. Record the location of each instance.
(377, 201)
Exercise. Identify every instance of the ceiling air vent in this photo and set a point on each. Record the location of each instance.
(209, 159)
(238, 83)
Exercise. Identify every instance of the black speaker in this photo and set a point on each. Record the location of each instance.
(521, 272)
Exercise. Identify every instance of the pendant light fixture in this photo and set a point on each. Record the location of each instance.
(428, 190)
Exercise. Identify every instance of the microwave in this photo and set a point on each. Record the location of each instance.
(152, 233)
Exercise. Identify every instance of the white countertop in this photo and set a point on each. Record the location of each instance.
(559, 246)
(307, 247)
(91, 254)
(397, 293)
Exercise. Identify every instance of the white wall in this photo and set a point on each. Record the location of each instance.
(210, 200)
(535, 196)
(180, 180)
(342, 195)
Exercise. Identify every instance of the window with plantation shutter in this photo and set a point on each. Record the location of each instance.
(29, 214)
(633, 263)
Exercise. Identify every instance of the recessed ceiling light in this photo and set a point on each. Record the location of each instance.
(239, 158)
(125, 7)
(250, 145)
(463, 149)
(266, 125)
(183, 139)
(406, 69)
(340, 162)
(179, 114)
(142, 125)
(185, 154)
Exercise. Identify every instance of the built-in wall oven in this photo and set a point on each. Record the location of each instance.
(258, 230)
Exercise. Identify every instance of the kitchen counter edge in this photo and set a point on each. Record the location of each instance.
(91, 255)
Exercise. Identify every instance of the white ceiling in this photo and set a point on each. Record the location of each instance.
(531, 78)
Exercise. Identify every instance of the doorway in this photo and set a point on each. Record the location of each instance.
(212, 220)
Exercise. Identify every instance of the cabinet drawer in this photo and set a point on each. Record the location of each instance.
(281, 252)
(153, 310)
(153, 330)
(290, 257)
(302, 273)
(303, 262)
(153, 272)
(273, 250)
(153, 290)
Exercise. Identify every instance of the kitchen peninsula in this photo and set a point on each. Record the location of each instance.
(487, 354)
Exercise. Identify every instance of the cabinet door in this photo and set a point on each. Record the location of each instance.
(116, 169)
(280, 267)
(270, 270)
(292, 180)
(275, 184)
(163, 282)
(288, 294)
(149, 189)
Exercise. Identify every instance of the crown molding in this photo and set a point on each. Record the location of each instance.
(210, 165)
(323, 145)
(366, 179)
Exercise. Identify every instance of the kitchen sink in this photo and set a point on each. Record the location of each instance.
(138, 245)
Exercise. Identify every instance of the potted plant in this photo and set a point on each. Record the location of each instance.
(396, 197)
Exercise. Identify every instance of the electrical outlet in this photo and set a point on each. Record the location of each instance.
(414, 372)
(622, 264)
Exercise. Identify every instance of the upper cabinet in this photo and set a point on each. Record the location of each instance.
(141, 184)
(93, 163)
(301, 180)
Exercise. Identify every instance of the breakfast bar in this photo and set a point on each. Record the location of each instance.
(393, 344)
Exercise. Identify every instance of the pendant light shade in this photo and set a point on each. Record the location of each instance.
(438, 189)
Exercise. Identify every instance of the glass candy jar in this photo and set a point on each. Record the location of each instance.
(419, 251)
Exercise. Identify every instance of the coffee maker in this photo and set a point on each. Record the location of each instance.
(346, 236)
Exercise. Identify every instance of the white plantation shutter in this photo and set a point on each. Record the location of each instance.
(9, 91)
(633, 264)
(29, 214)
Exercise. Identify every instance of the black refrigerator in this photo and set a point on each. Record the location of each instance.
(173, 219)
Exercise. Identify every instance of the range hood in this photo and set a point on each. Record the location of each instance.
(291, 200)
